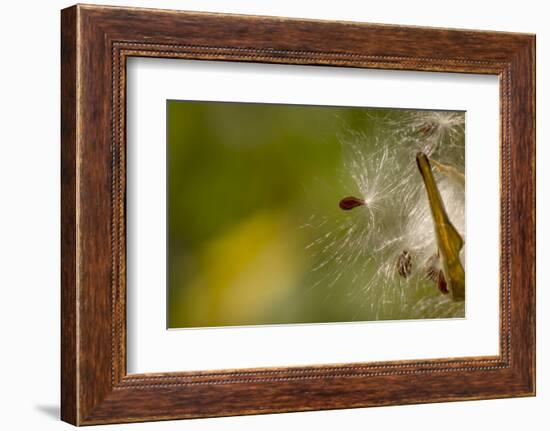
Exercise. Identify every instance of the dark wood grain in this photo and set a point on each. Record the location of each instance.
(96, 41)
(68, 218)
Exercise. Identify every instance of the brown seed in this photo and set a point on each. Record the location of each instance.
(350, 202)
(434, 273)
(432, 268)
(404, 264)
(441, 283)
(427, 129)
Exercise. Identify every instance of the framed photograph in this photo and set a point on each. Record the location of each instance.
(266, 215)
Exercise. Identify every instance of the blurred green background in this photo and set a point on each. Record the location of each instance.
(243, 182)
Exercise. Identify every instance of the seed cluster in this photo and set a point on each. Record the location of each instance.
(389, 231)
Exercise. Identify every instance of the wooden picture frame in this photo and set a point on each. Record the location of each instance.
(95, 43)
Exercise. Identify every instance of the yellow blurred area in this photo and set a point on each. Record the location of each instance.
(245, 272)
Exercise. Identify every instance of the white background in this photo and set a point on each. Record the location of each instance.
(29, 216)
(151, 348)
